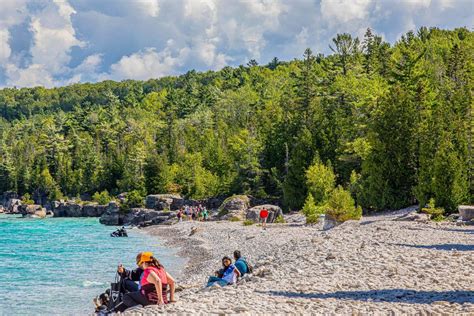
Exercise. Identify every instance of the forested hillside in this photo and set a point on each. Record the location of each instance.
(391, 124)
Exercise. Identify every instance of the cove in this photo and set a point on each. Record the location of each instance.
(56, 266)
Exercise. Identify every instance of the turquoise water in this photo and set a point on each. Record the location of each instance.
(56, 266)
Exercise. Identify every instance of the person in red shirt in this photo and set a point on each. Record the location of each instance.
(263, 217)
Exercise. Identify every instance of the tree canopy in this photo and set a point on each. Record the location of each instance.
(393, 124)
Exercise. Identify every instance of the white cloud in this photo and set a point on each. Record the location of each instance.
(343, 11)
(54, 36)
(131, 38)
(34, 75)
(148, 7)
(5, 50)
(146, 64)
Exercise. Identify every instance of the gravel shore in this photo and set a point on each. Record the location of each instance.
(376, 266)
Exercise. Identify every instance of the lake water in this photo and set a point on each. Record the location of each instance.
(56, 266)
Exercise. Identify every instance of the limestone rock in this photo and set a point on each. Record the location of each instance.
(111, 215)
(13, 206)
(234, 207)
(466, 212)
(414, 217)
(34, 210)
(90, 210)
(273, 212)
(164, 202)
(143, 216)
(68, 209)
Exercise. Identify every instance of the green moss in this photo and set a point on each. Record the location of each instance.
(248, 222)
(279, 220)
(234, 219)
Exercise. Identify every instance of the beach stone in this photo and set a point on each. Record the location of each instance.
(234, 207)
(414, 217)
(329, 223)
(273, 212)
(466, 212)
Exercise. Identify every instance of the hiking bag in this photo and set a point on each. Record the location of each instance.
(116, 294)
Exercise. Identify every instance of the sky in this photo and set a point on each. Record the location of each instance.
(60, 42)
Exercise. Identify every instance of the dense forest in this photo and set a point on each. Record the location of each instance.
(390, 124)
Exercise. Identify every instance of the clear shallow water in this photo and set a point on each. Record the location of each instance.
(56, 266)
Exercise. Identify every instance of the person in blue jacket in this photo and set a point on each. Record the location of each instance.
(240, 263)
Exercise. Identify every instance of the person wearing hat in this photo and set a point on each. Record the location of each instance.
(153, 286)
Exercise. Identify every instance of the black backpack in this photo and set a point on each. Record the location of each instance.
(116, 294)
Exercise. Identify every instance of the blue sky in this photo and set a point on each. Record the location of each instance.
(59, 42)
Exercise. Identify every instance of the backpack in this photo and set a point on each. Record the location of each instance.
(116, 294)
(249, 266)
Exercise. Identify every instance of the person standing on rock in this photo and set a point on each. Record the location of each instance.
(264, 217)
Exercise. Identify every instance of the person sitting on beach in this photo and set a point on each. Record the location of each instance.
(225, 276)
(130, 278)
(153, 285)
(241, 263)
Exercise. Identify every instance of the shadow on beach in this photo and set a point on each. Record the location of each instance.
(389, 295)
(446, 247)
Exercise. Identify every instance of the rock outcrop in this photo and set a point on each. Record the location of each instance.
(73, 209)
(146, 217)
(33, 210)
(273, 212)
(234, 207)
(112, 215)
(13, 206)
(466, 212)
(162, 202)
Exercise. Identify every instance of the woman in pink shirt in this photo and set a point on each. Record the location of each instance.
(153, 285)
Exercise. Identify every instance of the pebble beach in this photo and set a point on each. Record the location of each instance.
(378, 266)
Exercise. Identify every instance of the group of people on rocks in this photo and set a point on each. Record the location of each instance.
(192, 213)
(150, 283)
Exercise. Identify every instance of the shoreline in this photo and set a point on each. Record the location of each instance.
(375, 266)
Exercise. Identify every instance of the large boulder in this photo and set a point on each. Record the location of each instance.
(90, 210)
(13, 206)
(273, 212)
(68, 209)
(139, 216)
(112, 215)
(162, 202)
(33, 210)
(7, 196)
(466, 212)
(234, 207)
